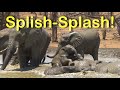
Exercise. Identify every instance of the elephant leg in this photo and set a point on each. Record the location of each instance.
(22, 58)
(95, 54)
(43, 56)
(34, 62)
(4, 54)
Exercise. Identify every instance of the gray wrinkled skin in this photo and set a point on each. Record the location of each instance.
(85, 42)
(85, 65)
(112, 67)
(4, 39)
(32, 46)
(65, 55)
(59, 70)
(75, 66)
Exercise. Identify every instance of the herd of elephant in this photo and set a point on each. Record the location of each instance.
(29, 46)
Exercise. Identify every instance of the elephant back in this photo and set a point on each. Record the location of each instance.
(36, 36)
(90, 34)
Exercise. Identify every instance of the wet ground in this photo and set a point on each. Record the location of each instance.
(108, 55)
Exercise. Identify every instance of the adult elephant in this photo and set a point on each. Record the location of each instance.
(32, 46)
(85, 42)
(4, 39)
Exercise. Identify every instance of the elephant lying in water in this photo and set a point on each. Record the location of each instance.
(108, 67)
(85, 42)
(32, 46)
(87, 65)
(101, 67)
(65, 55)
(75, 66)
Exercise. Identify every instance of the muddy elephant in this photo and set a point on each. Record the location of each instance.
(97, 66)
(85, 65)
(85, 42)
(65, 55)
(59, 70)
(32, 46)
(108, 67)
(73, 67)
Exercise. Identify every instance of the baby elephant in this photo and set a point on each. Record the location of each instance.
(65, 55)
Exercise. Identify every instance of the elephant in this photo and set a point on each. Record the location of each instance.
(85, 65)
(65, 55)
(32, 46)
(108, 67)
(4, 38)
(85, 42)
(73, 67)
(97, 66)
(59, 70)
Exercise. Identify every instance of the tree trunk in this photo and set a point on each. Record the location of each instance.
(46, 14)
(3, 16)
(54, 27)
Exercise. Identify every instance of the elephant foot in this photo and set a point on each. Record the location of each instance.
(27, 68)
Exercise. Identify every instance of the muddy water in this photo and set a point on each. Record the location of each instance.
(107, 55)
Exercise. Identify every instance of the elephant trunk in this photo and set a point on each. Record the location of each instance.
(10, 52)
(59, 47)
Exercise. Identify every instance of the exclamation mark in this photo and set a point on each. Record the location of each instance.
(112, 21)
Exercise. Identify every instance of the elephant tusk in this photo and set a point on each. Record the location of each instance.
(16, 51)
(3, 50)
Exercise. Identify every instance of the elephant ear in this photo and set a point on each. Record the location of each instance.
(75, 39)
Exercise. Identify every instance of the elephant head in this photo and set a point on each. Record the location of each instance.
(11, 48)
(72, 38)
